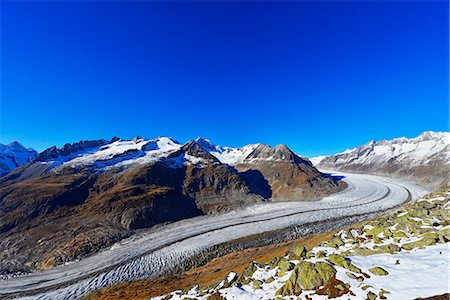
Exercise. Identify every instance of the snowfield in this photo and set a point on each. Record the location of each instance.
(159, 250)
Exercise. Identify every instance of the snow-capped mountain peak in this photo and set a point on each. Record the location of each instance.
(422, 158)
(14, 155)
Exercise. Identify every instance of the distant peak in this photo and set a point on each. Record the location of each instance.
(205, 144)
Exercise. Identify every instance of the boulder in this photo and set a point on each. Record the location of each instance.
(284, 266)
(371, 296)
(297, 253)
(249, 269)
(339, 260)
(257, 284)
(307, 276)
(289, 288)
(325, 270)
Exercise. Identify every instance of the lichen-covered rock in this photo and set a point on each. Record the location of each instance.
(297, 253)
(270, 280)
(249, 269)
(325, 270)
(379, 271)
(399, 234)
(371, 296)
(375, 230)
(341, 261)
(336, 242)
(321, 254)
(390, 248)
(284, 266)
(257, 284)
(419, 244)
(307, 276)
(289, 288)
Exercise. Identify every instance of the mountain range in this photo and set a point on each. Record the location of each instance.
(77, 199)
(69, 202)
(424, 159)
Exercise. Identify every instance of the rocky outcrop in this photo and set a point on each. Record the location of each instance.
(67, 149)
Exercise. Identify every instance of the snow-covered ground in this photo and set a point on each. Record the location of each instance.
(161, 249)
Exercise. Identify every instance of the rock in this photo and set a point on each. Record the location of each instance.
(249, 269)
(341, 261)
(284, 266)
(390, 248)
(270, 280)
(375, 230)
(230, 280)
(290, 288)
(419, 244)
(297, 253)
(307, 276)
(321, 254)
(333, 288)
(257, 284)
(351, 275)
(371, 296)
(325, 270)
(336, 242)
(379, 271)
(399, 234)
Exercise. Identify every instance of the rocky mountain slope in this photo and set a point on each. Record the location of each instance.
(14, 155)
(425, 159)
(75, 200)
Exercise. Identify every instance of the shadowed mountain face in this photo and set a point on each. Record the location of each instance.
(78, 199)
(424, 159)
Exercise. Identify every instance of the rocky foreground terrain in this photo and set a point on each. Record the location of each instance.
(78, 199)
(400, 255)
(424, 159)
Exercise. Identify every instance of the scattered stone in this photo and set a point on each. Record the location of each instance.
(371, 296)
(297, 253)
(379, 271)
(321, 254)
(284, 266)
(325, 270)
(351, 275)
(341, 261)
(257, 284)
(307, 276)
(365, 287)
(333, 288)
(290, 288)
(249, 269)
(270, 280)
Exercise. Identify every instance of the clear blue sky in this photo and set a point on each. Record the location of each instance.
(318, 76)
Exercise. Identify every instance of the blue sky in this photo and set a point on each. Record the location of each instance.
(318, 76)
